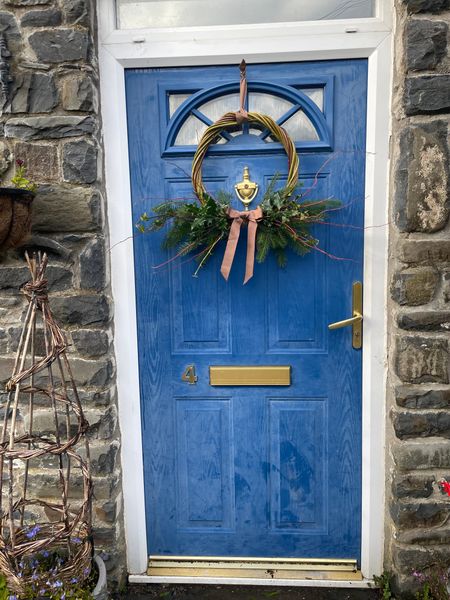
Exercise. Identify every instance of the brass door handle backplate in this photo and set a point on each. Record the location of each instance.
(357, 319)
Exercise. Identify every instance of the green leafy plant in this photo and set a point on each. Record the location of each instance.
(20, 179)
(286, 223)
(383, 582)
(4, 593)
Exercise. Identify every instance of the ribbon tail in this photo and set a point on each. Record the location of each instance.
(251, 245)
(230, 249)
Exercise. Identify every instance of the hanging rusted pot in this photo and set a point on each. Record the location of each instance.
(15, 216)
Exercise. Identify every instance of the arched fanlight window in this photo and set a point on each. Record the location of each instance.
(301, 111)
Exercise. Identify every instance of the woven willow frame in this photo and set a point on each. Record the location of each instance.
(230, 120)
(42, 385)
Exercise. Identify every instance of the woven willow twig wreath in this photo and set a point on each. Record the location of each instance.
(280, 221)
(231, 120)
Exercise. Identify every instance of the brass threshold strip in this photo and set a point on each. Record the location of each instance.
(254, 568)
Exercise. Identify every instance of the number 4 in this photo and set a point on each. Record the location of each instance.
(189, 375)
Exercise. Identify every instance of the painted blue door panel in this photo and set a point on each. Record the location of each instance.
(259, 471)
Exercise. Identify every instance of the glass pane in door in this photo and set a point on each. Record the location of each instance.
(136, 14)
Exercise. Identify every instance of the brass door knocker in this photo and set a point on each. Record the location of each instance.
(246, 190)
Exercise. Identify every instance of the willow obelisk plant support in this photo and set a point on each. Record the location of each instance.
(281, 221)
(43, 429)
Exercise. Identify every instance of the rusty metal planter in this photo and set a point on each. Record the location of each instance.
(15, 216)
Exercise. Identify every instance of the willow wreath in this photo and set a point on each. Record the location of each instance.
(281, 221)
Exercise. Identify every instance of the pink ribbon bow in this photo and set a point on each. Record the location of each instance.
(251, 217)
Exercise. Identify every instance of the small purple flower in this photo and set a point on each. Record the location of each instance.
(76, 540)
(86, 571)
(32, 533)
(20, 162)
(13, 597)
(74, 580)
(45, 553)
(57, 584)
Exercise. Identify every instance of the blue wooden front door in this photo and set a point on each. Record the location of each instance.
(251, 471)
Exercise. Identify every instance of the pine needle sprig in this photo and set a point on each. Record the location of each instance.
(286, 224)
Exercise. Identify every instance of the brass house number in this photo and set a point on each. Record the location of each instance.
(189, 375)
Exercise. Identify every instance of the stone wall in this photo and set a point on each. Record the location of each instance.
(52, 122)
(418, 532)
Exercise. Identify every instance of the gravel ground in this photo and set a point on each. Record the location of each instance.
(201, 592)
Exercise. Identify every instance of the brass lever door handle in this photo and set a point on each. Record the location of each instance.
(356, 320)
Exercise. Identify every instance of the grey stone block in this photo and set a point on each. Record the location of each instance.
(59, 208)
(5, 157)
(33, 93)
(421, 424)
(413, 455)
(90, 342)
(446, 286)
(102, 424)
(59, 45)
(424, 251)
(3, 341)
(414, 287)
(433, 6)
(79, 93)
(421, 360)
(51, 127)
(82, 310)
(408, 516)
(426, 43)
(91, 372)
(427, 94)
(41, 18)
(13, 278)
(92, 266)
(425, 537)
(406, 558)
(412, 486)
(76, 12)
(106, 512)
(424, 321)
(27, 2)
(8, 26)
(422, 178)
(101, 398)
(80, 162)
(418, 397)
(104, 458)
(6, 368)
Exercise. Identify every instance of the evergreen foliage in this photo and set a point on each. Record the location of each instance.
(286, 223)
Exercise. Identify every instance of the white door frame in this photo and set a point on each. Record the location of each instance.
(358, 38)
